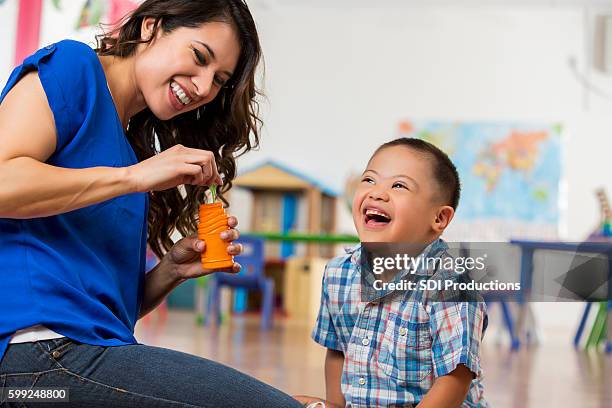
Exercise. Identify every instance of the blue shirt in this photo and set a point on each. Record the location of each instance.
(81, 273)
(396, 346)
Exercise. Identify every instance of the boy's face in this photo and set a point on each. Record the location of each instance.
(398, 199)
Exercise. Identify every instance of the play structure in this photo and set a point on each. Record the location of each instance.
(284, 200)
(289, 240)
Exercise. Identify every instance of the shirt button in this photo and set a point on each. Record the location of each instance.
(362, 381)
(403, 331)
(365, 342)
(55, 354)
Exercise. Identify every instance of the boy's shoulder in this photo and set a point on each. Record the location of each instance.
(343, 265)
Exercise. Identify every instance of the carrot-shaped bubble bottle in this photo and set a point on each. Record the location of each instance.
(213, 220)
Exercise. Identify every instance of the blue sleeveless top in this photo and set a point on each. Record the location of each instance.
(81, 273)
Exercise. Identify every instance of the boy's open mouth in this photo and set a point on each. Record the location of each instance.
(376, 218)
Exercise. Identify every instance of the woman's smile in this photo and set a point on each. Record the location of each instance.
(175, 94)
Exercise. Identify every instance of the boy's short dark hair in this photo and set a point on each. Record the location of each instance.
(443, 168)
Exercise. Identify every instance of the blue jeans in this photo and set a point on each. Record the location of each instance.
(132, 376)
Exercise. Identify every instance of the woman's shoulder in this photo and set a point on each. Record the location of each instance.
(63, 59)
(72, 78)
(75, 69)
(76, 48)
(71, 55)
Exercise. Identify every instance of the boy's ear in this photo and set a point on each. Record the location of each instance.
(443, 217)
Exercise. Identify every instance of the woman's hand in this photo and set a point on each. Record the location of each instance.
(172, 167)
(184, 258)
(183, 262)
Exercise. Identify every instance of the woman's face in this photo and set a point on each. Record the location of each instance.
(186, 68)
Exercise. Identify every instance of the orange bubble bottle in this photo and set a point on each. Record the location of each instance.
(213, 221)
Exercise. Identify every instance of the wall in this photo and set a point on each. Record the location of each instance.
(8, 29)
(339, 79)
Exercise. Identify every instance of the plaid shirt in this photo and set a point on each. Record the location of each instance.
(393, 348)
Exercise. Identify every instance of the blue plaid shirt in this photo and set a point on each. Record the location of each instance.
(395, 348)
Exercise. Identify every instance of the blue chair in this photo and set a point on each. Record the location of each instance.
(251, 277)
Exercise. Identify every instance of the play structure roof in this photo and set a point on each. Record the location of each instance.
(272, 175)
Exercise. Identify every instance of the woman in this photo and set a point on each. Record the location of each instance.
(94, 146)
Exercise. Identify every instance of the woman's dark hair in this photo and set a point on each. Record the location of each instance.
(229, 126)
(444, 171)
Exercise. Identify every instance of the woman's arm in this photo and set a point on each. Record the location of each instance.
(30, 188)
(334, 361)
(170, 272)
(448, 391)
(162, 279)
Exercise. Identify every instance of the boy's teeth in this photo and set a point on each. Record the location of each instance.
(180, 94)
(376, 212)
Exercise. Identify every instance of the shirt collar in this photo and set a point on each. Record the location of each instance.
(354, 251)
(435, 248)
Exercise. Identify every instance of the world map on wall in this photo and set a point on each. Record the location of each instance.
(508, 171)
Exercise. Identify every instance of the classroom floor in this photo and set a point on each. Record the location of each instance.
(553, 375)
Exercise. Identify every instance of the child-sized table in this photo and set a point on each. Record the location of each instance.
(604, 248)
